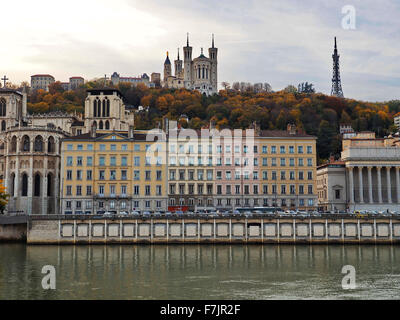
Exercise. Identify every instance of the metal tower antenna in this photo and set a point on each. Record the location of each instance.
(336, 82)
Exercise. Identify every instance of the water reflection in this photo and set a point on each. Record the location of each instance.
(199, 271)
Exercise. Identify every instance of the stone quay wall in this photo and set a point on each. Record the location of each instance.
(213, 230)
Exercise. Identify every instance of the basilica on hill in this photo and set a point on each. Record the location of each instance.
(200, 73)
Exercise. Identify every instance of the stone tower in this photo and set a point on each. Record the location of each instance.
(187, 60)
(178, 67)
(212, 53)
(167, 68)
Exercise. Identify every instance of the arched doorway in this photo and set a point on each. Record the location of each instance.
(101, 124)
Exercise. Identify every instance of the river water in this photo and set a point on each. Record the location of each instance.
(199, 271)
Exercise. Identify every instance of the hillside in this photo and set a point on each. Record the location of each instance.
(316, 114)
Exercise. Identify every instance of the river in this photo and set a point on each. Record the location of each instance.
(199, 271)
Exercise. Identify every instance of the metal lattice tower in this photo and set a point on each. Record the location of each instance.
(336, 82)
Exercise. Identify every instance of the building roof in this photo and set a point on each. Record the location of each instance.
(99, 135)
(333, 164)
(7, 90)
(77, 78)
(167, 61)
(106, 91)
(42, 75)
(283, 134)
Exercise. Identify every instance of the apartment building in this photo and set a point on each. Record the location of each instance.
(113, 171)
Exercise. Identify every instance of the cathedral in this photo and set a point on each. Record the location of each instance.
(200, 73)
(30, 145)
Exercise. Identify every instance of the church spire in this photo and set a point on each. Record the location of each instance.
(178, 53)
(212, 46)
(187, 39)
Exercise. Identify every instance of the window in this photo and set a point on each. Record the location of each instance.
(265, 162)
(228, 175)
(283, 175)
(123, 174)
(70, 147)
(102, 147)
(265, 175)
(123, 190)
(147, 175)
(291, 149)
(69, 190)
(148, 161)
(79, 147)
(159, 175)
(300, 149)
(89, 161)
(282, 149)
(102, 161)
(301, 162)
(273, 149)
(101, 190)
(136, 147)
(136, 161)
(292, 175)
(136, 191)
(88, 190)
(124, 147)
(255, 175)
(113, 175)
(89, 147)
(78, 174)
(113, 161)
(69, 174)
(301, 175)
(147, 190)
(158, 190)
(309, 162)
(283, 162)
(309, 149)
(310, 189)
(101, 175)
(124, 161)
(291, 162)
(309, 175)
(264, 149)
(113, 147)
(78, 190)
(69, 161)
(136, 175)
(337, 194)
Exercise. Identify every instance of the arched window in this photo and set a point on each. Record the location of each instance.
(108, 108)
(95, 108)
(94, 124)
(2, 107)
(14, 144)
(36, 192)
(51, 145)
(38, 144)
(49, 184)
(107, 125)
(104, 108)
(98, 108)
(101, 124)
(24, 185)
(26, 144)
(3, 125)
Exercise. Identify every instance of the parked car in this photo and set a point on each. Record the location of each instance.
(124, 213)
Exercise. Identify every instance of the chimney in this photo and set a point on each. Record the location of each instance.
(212, 124)
(131, 133)
(93, 131)
(291, 128)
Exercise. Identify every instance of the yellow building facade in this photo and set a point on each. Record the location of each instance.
(113, 171)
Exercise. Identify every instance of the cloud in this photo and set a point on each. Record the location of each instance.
(280, 42)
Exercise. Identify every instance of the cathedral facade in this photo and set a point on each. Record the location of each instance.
(199, 74)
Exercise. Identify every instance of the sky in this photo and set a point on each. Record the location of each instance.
(280, 42)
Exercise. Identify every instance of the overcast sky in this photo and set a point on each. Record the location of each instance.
(281, 42)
